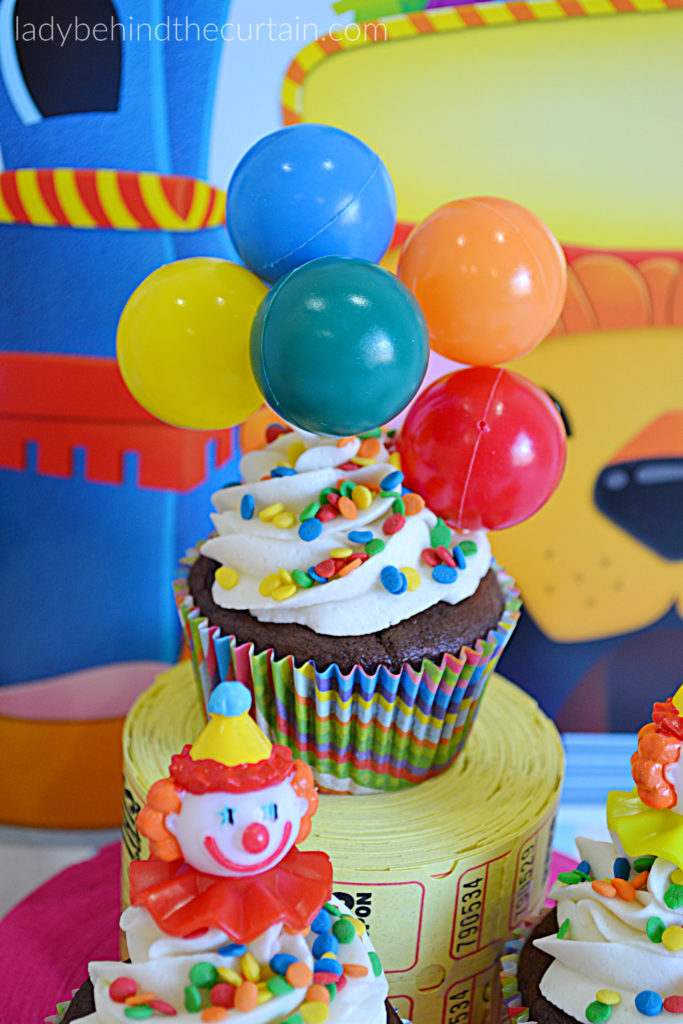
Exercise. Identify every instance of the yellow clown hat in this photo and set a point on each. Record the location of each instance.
(231, 736)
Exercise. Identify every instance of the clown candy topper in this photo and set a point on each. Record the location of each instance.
(222, 831)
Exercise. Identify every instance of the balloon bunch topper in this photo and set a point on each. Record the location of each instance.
(650, 818)
(339, 345)
(222, 830)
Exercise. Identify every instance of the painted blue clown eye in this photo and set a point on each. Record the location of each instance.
(269, 812)
(227, 815)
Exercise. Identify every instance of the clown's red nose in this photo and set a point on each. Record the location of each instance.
(255, 838)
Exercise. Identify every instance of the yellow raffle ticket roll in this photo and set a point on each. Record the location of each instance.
(440, 873)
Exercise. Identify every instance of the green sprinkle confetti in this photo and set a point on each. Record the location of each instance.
(390, 494)
(332, 989)
(655, 929)
(563, 929)
(440, 535)
(344, 930)
(322, 497)
(301, 578)
(141, 1012)
(377, 432)
(373, 547)
(203, 975)
(392, 432)
(193, 999)
(570, 877)
(399, 506)
(598, 1012)
(278, 985)
(294, 1018)
(643, 864)
(673, 897)
(376, 963)
(331, 909)
(468, 547)
(346, 488)
(583, 875)
(310, 511)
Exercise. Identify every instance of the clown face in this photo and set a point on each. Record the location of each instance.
(238, 834)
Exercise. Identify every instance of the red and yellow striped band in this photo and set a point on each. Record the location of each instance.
(107, 199)
(446, 19)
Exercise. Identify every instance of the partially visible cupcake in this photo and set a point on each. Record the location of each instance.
(613, 947)
(364, 625)
(229, 920)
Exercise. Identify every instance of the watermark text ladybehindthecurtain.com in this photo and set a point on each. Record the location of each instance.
(183, 30)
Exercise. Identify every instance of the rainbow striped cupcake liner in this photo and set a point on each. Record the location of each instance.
(359, 733)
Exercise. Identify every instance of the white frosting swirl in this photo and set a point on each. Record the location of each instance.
(606, 945)
(166, 963)
(357, 603)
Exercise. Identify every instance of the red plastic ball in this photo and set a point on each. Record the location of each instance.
(490, 278)
(484, 447)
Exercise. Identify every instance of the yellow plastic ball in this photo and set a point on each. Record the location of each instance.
(183, 343)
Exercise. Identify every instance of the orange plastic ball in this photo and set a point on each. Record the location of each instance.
(490, 278)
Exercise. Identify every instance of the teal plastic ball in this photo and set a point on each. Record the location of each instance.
(339, 346)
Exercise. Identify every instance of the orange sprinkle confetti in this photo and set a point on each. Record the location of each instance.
(624, 889)
(369, 448)
(414, 503)
(212, 1014)
(638, 881)
(298, 975)
(603, 887)
(318, 994)
(296, 931)
(355, 970)
(139, 998)
(246, 996)
(349, 567)
(343, 440)
(347, 508)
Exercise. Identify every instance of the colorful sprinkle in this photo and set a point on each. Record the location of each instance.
(314, 1013)
(445, 557)
(247, 506)
(440, 535)
(604, 888)
(597, 1012)
(392, 480)
(322, 922)
(677, 876)
(639, 880)
(344, 930)
(232, 949)
(459, 557)
(223, 994)
(399, 506)
(468, 547)
(250, 967)
(672, 938)
(246, 997)
(161, 1006)
(395, 459)
(140, 998)
(326, 978)
(608, 996)
(563, 929)
(121, 988)
(270, 511)
(389, 494)
(314, 575)
(373, 547)
(193, 999)
(232, 977)
(274, 430)
(414, 503)
(284, 520)
(279, 471)
(213, 1014)
(349, 567)
(393, 523)
(625, 890)
(361, 497)
(295, 449)
(643, 863)
(138, 1012)
(226, 577)
(375, 432)
(412, 576)
(649, 1003)
(674, 1004)
(570, 877)
(345, 488)
(299, 975)
(284, 593)
(355, 970)
(584, 867)
(430, 556)
(330, 965)
(654, 929)
(310, 529)
(360, 536)
(326, 514)
(281, 962)
(621, 868)
(444, 574)
(359, 460)
(393, 580)
(340, 552)
(369, 448)
(326, 942)
(673, 897)
(375, 963)
(318, 993)
(278, 986)
(302, 579)
(347, 508)
(203, 975)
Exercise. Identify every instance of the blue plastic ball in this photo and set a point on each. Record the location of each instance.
(306, 191)
(339, 346)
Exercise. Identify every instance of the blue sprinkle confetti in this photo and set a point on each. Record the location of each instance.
(621, 868)
(392, 480)
(281, 961)
(393, 580)
(310, 529)
(325, 943)
(459, 556)
(444, 574)
(322, 922)
(283, 471)
(360, 536)
(314, 575)
(247, 506)
(585, 868)
(232, 949)
(649, 1003)
(328, 965)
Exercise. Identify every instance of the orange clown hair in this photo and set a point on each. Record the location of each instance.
(659, 744)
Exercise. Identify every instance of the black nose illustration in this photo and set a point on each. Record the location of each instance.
(645, 498)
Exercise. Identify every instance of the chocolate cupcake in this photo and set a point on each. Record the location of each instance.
(364, 625)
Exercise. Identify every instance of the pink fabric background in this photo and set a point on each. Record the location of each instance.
(47, 940)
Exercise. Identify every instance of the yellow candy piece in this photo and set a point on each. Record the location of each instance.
(358, 926)
(314, 1013)
(395, 460)
(672, 938)
(412, 576)
(677, 877)
(264, 995)
(250, 967)
(295, 449)
(269, 584)
(232, 977)
(226, 577)
(284, 520)
(361, 496)
(361, 460)
(285, 592)
(340, 552)
(285, 577)
(608, 996)
(268, 513)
